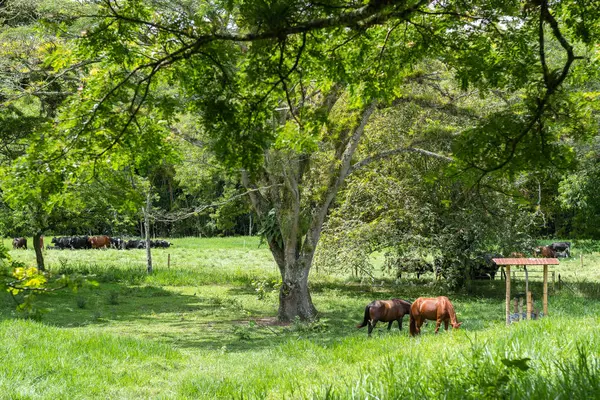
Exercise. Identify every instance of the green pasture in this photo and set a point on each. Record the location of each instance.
(204, 327)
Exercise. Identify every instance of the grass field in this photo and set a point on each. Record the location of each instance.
(198, 329)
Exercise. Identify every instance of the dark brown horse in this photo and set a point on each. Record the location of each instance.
(385, 311)
(435, 309)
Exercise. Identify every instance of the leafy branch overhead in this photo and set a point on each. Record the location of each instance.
(530, 123)
(237, 63)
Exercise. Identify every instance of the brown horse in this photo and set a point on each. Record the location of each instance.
(385, 311)
(435, 309)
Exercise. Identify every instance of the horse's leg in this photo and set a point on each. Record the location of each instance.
(446, 324)
(437, 325)
(390, 325)
(400, 322)
(372, 326)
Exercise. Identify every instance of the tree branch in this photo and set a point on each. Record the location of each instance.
(374, 13)
(551, 81)
(314, 232)
(14, 285)
(154, 25)
(390, 153)
(173, 217)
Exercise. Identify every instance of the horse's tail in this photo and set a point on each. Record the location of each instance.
(366, 318)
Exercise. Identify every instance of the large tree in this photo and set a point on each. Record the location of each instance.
(285, 89)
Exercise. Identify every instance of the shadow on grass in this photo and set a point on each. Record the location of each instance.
(230, 322)
(183, 320)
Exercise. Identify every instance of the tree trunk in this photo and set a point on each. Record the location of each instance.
(294, 296)
(147, 229)
(294, 248)
(39, 257)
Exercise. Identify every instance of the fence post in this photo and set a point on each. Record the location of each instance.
(508, 295)
(529, 305)
(545, 292)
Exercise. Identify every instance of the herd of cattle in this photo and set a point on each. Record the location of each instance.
(484, 267)
(92, 242)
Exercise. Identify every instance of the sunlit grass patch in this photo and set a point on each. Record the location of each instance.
(41, 361)
(202, 326)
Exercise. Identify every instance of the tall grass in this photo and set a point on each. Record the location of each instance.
(525, 361)
(199, 329)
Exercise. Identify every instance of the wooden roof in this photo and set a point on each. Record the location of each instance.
(526, 261)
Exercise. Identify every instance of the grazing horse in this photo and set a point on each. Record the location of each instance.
(385, 311)
(435, 309)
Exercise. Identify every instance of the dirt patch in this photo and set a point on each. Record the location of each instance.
(266, 321)
(271, 321)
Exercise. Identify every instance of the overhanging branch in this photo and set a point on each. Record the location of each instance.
(552, 82)
(390, 153)
(173, 217)
(374, 13)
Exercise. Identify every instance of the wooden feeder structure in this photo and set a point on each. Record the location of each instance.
(525, 262)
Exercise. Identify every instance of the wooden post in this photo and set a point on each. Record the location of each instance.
(529, 305)
(526, 279)
(553, 281)
(147, 211)
(520, 308)
(508, 295)
(168, 261)
(516, 305)
(502, 273)
(545, 298)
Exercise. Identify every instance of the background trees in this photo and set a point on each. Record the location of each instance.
(414, 206)
(36, 78)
